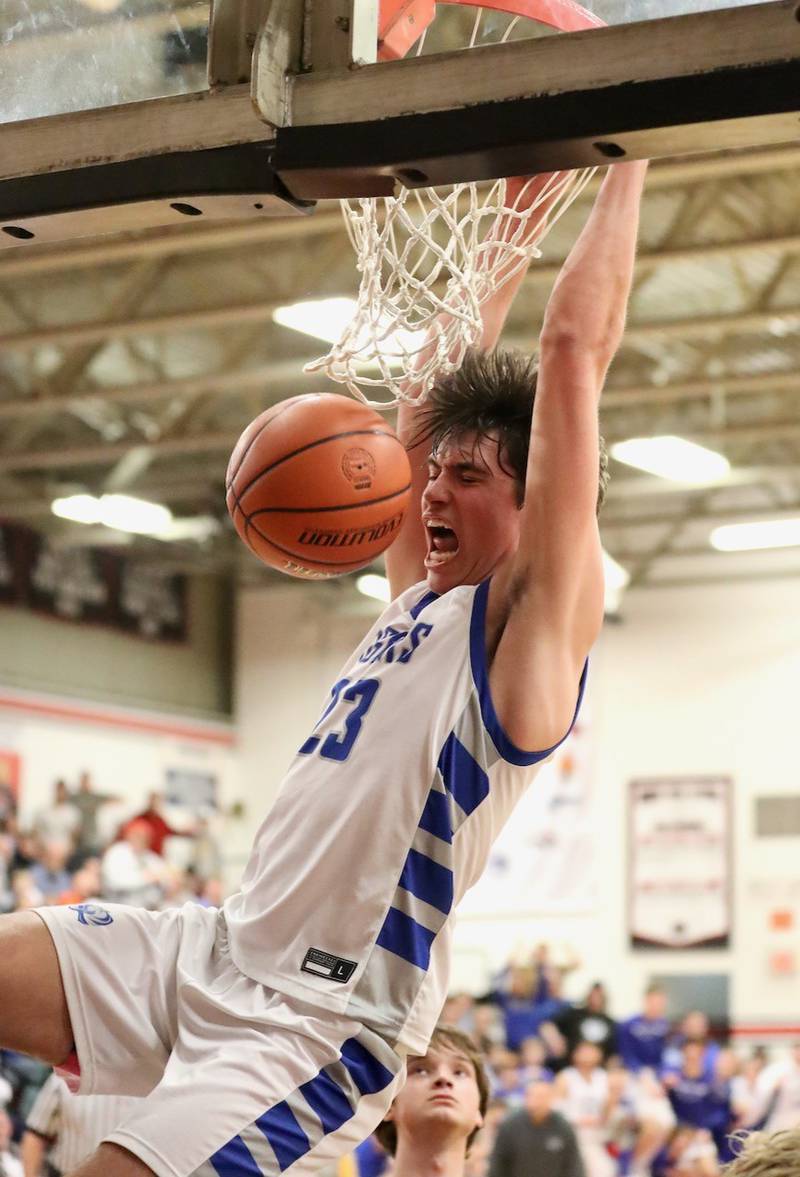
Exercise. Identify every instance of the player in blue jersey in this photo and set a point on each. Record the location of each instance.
(699, 1098)
(641, 1039)
(270, 1037)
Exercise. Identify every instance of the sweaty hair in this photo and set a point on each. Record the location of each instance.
(763, 1155)
(491, 393)
(450, 1038)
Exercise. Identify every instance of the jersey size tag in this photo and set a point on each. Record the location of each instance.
(323, 964)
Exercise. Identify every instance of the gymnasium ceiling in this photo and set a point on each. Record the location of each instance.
(131, 363)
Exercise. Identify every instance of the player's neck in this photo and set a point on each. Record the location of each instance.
(430, 1158)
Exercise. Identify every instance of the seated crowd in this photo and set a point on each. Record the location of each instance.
(566, 1090)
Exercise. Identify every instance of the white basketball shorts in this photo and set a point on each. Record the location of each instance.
(237, 1080)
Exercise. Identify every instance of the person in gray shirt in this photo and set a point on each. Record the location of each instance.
(536, 1141)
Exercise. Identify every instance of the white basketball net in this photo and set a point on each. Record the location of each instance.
(428, 259)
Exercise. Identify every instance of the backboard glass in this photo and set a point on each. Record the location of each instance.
(66, 55)
(60, 56)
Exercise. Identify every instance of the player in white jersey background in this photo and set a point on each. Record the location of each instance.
(270, 1037)
(63, 1129)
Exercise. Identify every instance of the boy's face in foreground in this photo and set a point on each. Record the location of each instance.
(470, 512)
(440, 1094)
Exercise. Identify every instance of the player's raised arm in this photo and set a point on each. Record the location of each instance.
(553, 590)
(405, 558)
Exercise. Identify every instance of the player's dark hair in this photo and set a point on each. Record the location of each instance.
(454, 1039)
(493, 392)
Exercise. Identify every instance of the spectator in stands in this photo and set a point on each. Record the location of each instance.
(550, 976)
(481, 1149)
(439, 1111)
(690, 1152)
(88, 804)
(582, 1097)
(60, 819)
(160, 829)
(50, 875)
(750, 1092)
(86, 883)
(700, 1099)
(536, 1141)
(25, 894)
(515, 997)
(26, 850)
(369, 1159)
(586, 1022)
(130, 872)
(781, 1089)
(10, 1164)
(22, 1077)
(693, 1025)
(507, 1081)
(522, 1013)
(532, 1056)
(488, 1027)
(206, 857)
(641, 1039)
(62, 1129)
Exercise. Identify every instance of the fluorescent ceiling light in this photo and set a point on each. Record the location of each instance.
(673, 458)
(78, 508)
(122, 512)
(748, 537)
(375, 586)
(329, 318)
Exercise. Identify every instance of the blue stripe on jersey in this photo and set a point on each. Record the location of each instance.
(234, 1159)
(427, 880)
(423, 603)
(329, 1102)
(289, 1141)
(462, 775)
(480, 674)
(367, 1072)
(436, 817)
(406, 938)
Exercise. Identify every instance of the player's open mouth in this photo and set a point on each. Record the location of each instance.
(442, 542)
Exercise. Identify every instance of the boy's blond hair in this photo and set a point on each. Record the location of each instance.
(762, 1155)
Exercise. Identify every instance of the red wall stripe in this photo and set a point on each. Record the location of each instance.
(122, 720)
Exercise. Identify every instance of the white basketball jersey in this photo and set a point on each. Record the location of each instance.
(385, 818)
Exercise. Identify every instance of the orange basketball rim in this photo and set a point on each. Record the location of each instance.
(402, 22)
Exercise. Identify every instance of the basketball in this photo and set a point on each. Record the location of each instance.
(318, 485)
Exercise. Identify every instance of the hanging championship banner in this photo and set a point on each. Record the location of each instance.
(679, 879)
(91, 586)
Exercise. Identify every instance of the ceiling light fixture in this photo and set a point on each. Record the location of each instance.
(122, 512)
(750, 537)
(328, 318)
(672, 458)
(372, 585)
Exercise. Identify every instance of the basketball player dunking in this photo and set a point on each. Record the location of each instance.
(270, 1037)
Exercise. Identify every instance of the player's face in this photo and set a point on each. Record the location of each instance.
(470, 511)
(440, 1095)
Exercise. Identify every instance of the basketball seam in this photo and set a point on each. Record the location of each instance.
(303, 555)
(253, 440)
(312, 445)
(319, 510)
